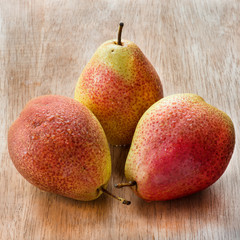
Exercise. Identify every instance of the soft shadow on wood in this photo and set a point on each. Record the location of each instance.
(119, 156)
(201, 206)
(55, 208)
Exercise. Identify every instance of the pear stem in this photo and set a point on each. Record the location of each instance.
(121, 24)
(124, 201)
(128, 184)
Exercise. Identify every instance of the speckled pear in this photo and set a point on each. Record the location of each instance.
(58, 145)
(118, 85)
(181, 145)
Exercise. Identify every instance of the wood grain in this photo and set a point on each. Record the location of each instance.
(44, 45)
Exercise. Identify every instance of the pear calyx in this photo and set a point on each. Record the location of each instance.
(122, 200)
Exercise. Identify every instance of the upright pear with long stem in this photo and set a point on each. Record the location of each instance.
(118, 85)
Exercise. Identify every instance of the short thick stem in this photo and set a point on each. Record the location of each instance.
(124, 201)
(128, 184)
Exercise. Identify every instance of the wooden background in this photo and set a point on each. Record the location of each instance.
(44, 45)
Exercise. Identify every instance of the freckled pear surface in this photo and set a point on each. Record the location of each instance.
(118, 84)
(58, 145)
(181, 145)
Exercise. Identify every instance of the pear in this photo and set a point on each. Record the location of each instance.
(181, 145)
(58, 145)
(118, 85)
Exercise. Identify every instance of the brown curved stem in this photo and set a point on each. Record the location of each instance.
(124, 201)
(121, 24)
(128, 184)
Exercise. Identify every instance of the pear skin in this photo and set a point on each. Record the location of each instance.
(58, 145)
(181, 145)
(118, 85)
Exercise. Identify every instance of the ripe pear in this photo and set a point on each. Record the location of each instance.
(58, 145)
(181, 145)
(118, 85)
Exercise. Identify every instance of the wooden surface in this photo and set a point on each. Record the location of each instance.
(44, 45)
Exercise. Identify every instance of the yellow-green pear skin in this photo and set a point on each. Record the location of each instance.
(181, 145)
(118, 85)
(58, 145)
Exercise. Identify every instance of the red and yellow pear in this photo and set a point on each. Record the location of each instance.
(118, 85)
(58, 145)
(181, 145)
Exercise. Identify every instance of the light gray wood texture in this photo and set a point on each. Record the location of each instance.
(44, 45)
